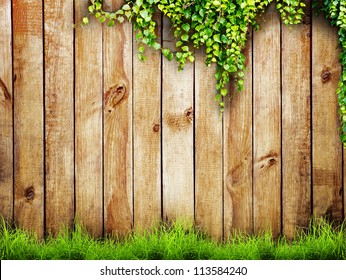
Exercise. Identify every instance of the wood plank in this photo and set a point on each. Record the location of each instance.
(147, 136)
(238, 195)
(6, 120)
(177, 136)
(296, 136)
(327, 149)
(59, 106)
(88, 122)
(266, 122)
(208, 151)
(117, 61)
(28, 115)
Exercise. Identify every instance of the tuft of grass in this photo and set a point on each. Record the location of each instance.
(320, 241)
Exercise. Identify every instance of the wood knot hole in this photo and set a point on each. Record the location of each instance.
(114, 96)
(326, 75)
(29, 194)
(156, 127)
(189, 114)
(271, 162)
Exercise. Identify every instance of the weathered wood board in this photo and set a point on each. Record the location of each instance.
(6, 111)
(177, 136)
(208, 151)
(28, 115)
(88, 123)
(238, 154)
(267, 124)
(296, 126)
(59, 114)
(327, 149)
(118, 94)
(147, 132)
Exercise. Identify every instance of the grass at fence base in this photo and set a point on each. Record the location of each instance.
(320, 241)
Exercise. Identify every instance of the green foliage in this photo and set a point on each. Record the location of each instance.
(221, 26)
(321, 240)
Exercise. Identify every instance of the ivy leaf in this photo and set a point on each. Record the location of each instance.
(186, 27)
(185, 37)
(223, 92)
(85, 20)
(156, 46)
(126, 7)
(167, 53)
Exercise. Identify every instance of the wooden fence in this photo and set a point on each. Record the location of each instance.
(89, 132)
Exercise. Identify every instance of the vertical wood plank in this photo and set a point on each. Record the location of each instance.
(327, 149)
(296, 138)
(238, 196)
(88, 122)
(117, 48)
(177, 136)
(266, 121)
(28, 114)
(59, 89)
(6, 121)
(208, 151)
(147, 136)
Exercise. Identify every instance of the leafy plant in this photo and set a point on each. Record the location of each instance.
(221, 26)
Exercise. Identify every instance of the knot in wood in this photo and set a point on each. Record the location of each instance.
(189, 114)
(5, 96)
(115, 95)
(156, 127)
(29, 194)
(326, 75)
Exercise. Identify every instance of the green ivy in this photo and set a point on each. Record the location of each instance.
(221, 26)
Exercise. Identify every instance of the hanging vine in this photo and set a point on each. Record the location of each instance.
(222, 27)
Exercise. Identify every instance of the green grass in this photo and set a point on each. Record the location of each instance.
(320, 241)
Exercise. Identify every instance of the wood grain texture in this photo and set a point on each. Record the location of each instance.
(177, 136)
(266, 122)
(238, 195)
(208, 151)
(28, 115)
(327, 149)
(147, 136)
(296, 136)
(88, 122)
(117, 67)
(59, 107)
(6, 120)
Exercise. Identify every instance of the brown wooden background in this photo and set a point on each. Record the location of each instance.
(89, 132)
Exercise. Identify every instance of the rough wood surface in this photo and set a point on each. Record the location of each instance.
(327, 150)
(238, 196)
(147, 136)
(113, 142)
(59, 113)
(177, 136)
(28, 115)
(296, 136)
(266, 122)
(88, 122)
(117, 67)
(208, 151)
(6, 121)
